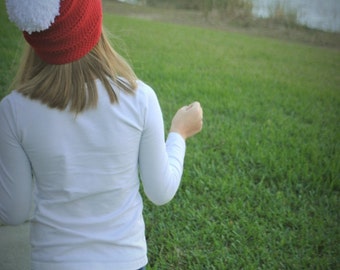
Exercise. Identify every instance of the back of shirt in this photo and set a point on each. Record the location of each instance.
(88, 210)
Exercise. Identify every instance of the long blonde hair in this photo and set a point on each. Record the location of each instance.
(73, 84)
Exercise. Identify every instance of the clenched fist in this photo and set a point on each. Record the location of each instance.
(188, 120)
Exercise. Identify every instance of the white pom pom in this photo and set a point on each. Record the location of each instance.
(33, 16)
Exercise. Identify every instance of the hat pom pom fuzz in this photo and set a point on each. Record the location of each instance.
(33, 16)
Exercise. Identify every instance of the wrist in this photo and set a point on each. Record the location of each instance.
(172, 130)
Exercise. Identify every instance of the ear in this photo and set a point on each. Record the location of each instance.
(33, 16)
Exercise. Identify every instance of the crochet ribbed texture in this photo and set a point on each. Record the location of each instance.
(72, 35)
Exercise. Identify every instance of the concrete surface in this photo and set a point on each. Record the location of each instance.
(14, 247)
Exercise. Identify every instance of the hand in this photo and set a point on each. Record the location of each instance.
(188, 120)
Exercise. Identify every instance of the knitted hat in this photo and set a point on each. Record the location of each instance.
(59, 31)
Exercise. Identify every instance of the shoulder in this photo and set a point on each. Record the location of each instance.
(146, 92)
(142, 86)
(8, 110)
(142, 95)
(142, 91)
(10, 101)
(15, 103)
(13, 98)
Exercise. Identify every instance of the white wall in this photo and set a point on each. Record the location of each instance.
(319, 14)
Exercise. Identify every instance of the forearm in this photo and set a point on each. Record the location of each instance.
(161, 173)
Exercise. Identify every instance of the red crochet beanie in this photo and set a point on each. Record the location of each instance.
(72, 29)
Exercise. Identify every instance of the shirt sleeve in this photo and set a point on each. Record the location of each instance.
(161, 164)
(15, 171)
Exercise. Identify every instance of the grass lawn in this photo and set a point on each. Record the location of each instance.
(261, 183)
(10, 50)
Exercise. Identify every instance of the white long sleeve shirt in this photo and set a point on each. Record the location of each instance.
(88, 209)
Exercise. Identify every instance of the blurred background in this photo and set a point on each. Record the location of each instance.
(318, 14)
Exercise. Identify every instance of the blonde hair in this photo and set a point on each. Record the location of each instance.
(73, 84)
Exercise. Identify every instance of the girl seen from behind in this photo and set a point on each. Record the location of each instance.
(75, 135)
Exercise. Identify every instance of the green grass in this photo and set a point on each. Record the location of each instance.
(10, 50)
(261, 183)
